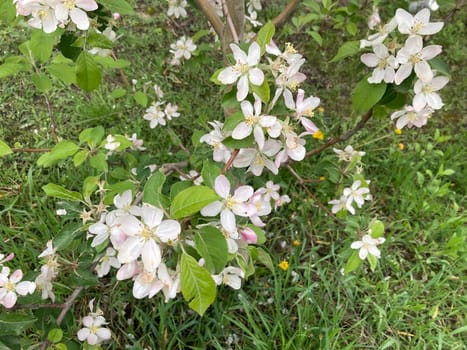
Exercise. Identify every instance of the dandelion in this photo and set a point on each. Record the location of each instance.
(284, 265)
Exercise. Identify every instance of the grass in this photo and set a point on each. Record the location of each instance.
(414, 300)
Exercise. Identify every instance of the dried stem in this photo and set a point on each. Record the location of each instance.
(212, 16)
(123, 76)
(286, 13)
(31, 150)
(343, 137)
(52, 121)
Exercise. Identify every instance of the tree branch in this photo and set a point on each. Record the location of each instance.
(31, 150)
(343, 137)
(212, 16)
(286, 13)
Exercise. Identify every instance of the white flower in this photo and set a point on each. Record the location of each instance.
(410, 117)
(230, 205)
(367, 245)
(61, 212)
(11, 286)
(281, 201)
(348, 154)
(414, 55)
(44, 284)
(417, 25)
(194, 176)
(231, 276)
(256, 159)
(93, 332)
(74, 9)
(183, 48)
(382, 34)
(294, 147)
(43, 15)
(270, 192)
(244, 70)
(137, 144)
(384, 62)
(263, 208)
(356, 194)
(425, 93)
(158, 91)
(106, 262)
(144, 238)
(374, 19)
(171, 111)
(111, 144)
(177, 8)
(155, 115)
(109, 34)
(255, 122)
(338, 204)
(221, 152)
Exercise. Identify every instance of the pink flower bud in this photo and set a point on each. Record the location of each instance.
(248, 235)
(10, 257)
(116, 16)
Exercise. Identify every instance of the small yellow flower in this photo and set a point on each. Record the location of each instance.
(397, 131)
(401, 146)
(320, 109)
(318, 135)
(322, 178)
(296, 243)
(284, 265)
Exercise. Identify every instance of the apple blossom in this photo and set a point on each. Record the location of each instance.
(230, 205)
(256, 159)
(348, 154)
(107, 261)
(244, 71)
(410, 117)
(93, 332)
(368, 245)
(183, 48)
(382, 34)
(425, 93)
(270, 192)
(43, 15)
(417, 25)
(12, 285)
(214, 138)
(338, 204)
(75, 10)
(155, 115)
(171, 111)
(384, 62)
(414, 56)
(356, 194)
(374, 19)
(231, 276)
(177, 8)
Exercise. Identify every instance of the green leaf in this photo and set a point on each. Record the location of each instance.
(4, 149)
(198, 287)
(265, 258)
(119, 92)
(233, 120)
(61, 150)
(152, 193)
(99, 162)
(199, 34)
(55, 335)
(349, 48)
(8, 69)
(353, 263)
(93, 136)
(7, 11)
(441, 66)
(141, 98)
(42, 82)
(265, 35)
(80, 157)
(120, 6)
(262, 91)
(244, 143)
(351, 28)
(109, 62)
(118, 188)
(42, 44)
(376, 228)
(95, 39)
(57, 191)
(63, 71)
(90, 185)
(316, 37)
(191, 200)
(179, 187)
(212, 246)
(88, 74)
(366, 95)
(66, 236)
(209, 173)
(15, 323)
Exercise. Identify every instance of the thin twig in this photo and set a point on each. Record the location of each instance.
(343, 137)
(212, 16)
(315, 199)
(230, 22)
(230, 161)
(285, 13)
(123, 76)
(31, 150)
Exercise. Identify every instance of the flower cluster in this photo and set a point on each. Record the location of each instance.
(275, 138)
(48, 15)
(93, 331)
(394, 63)
(177, 8)
(49, 271)
(159, 112)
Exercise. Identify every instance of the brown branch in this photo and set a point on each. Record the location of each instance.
(212, 16)
(52, 121)
(302, 183)
(230, 161)
(230, 22)
(343, 137)
(286, 13)
(31, 150)
(123, 76)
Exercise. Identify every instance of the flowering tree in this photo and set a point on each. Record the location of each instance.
(188, 237)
